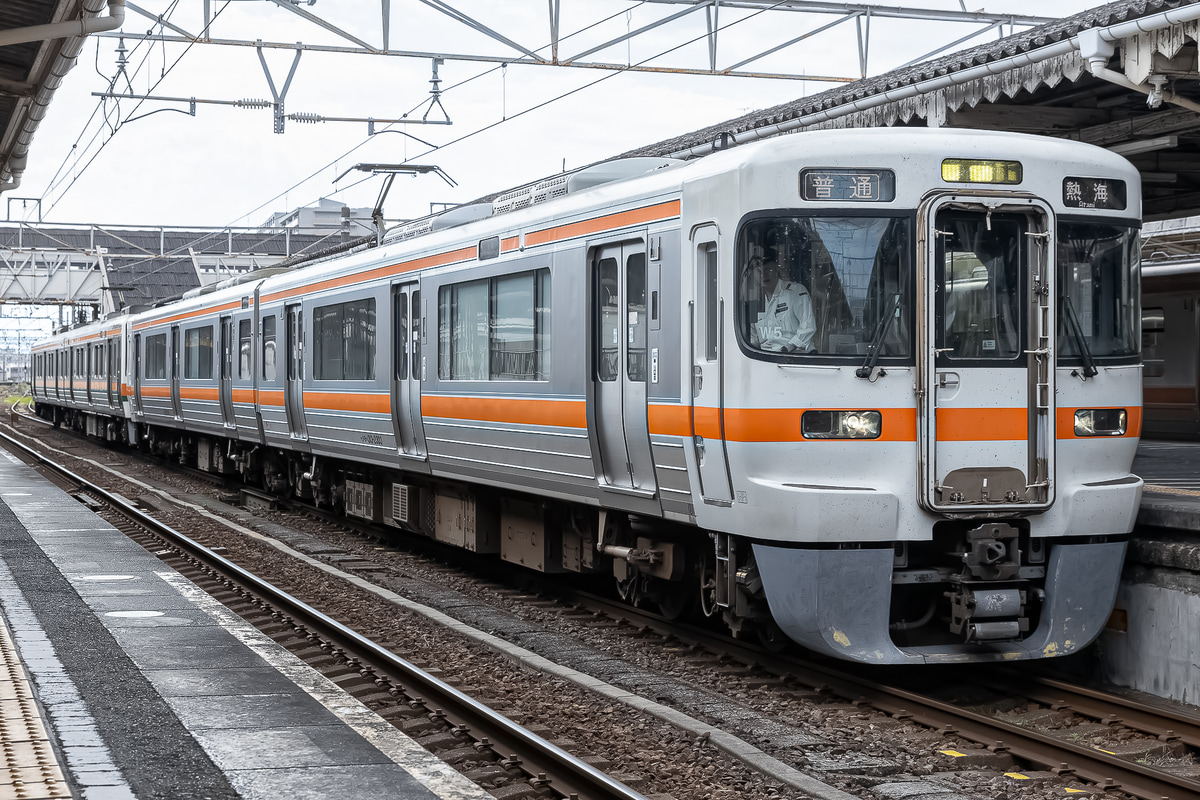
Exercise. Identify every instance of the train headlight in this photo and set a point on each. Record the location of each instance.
(1100, 422)
(978, 170)
(841, 424)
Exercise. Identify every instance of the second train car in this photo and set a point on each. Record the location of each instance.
(874, 391)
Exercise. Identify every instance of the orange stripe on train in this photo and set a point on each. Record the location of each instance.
(561, 413)
(982, 424)
(597, 224)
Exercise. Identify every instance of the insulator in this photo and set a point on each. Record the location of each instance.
(306, 117)
(253, 102)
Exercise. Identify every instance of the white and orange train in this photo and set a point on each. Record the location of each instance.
(590, 374)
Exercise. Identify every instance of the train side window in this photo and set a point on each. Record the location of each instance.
(198, 353)
(156, 357)
(268, 348)
(495, 329)
(244, 371)
(344, 341)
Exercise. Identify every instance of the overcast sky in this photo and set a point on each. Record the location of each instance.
(225, 166)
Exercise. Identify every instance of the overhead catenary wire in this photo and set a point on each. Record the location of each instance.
(414, 108)
(71, 153)
(165, 72)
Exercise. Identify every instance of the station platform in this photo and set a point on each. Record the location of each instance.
(120, 679)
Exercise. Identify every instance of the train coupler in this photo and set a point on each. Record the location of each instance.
(981, 613)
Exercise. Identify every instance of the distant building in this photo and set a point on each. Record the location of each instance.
(327, 216)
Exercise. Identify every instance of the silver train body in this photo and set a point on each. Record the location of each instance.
(1171, 346)
(929, 461)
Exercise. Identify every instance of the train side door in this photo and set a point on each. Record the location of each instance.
(406, 370)
(988, 415)
(176, 366)
(294, 377)
(226, 389)
(114, 372)
(708, 380)
(620, 322)
(137, 373)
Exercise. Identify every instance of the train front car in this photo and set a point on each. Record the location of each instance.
(929, 390)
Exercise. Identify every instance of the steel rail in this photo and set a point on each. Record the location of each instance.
(1055, 755)
(532, 752)
(1100, 705)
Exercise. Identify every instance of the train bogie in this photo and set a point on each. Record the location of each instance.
(876, 392)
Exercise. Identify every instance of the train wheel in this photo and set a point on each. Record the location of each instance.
(708, 586)
(676, 600)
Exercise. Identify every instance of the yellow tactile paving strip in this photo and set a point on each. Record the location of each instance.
(1153, 489)
(30, 769)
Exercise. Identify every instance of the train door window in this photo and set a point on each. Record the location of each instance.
(708, 288)
(981, 275)
(244, 371)
(416, 334)
(635, 311)
(268, 348)
(400, 330)
(198, 353)
(344, 341)
(609, 301)
(156, 357)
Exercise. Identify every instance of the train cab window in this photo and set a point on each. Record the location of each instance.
(826, 286)
(244, 372)
(156, 357)
(1098, 282)
(344, 341)
(268, 348)
(198, 353)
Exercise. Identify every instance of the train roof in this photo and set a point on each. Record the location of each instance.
(599, 190)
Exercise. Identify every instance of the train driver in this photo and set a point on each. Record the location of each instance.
(787, 323)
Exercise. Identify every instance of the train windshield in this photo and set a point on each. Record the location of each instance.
(826, 286)
(1098, 294)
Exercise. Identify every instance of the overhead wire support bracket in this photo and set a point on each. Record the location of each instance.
(278, 95)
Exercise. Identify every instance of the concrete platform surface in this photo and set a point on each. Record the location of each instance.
(148, 688)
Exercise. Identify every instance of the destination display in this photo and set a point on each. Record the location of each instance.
(1107, 193)
(854, 185)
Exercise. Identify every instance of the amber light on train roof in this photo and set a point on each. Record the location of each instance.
(979, 170)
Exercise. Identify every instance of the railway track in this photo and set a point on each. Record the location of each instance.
(1037, 749)
(460, 728)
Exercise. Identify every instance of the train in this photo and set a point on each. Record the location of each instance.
(875, 392)
(1171, 349)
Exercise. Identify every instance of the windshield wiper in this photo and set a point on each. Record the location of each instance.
(881, 330)
(1089, 364)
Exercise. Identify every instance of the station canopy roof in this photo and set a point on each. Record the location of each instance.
(1036, 81)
